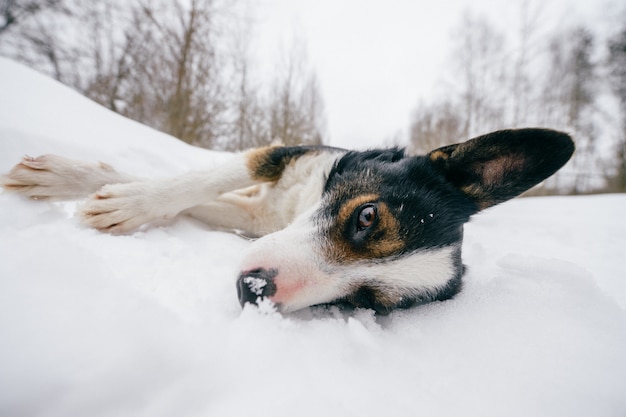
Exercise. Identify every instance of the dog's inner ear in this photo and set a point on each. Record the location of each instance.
(501, 165)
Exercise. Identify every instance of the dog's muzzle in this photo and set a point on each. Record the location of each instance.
(254, 285)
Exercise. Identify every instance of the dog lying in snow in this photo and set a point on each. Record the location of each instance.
(375, 229)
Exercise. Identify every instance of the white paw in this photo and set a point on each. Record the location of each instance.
(122, 208)
(52, 177)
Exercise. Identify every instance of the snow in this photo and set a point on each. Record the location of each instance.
(256, 284)
(148, 324)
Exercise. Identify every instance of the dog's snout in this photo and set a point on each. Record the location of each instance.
(256, 284)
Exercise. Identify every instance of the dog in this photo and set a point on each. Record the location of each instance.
(376, 229)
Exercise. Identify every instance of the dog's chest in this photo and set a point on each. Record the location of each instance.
(300, 187)
(275, 205)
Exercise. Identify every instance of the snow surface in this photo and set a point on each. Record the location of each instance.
(148, 324)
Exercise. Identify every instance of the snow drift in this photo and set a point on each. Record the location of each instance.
(149, 325)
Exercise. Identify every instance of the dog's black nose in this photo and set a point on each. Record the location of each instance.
(255, 284)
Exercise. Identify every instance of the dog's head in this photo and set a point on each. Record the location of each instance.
(388, 229)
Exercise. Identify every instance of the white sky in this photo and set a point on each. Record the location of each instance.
(375, 59)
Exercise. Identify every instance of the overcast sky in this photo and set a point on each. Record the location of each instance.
(376, 59)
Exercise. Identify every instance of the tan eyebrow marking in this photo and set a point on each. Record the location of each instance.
(385, 240)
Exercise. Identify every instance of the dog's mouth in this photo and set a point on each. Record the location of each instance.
(256, 288)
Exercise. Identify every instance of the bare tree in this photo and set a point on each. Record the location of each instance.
(15, 11)
(175, 85)
(109, 52)
(494, 90)
(296, 108)
(249, 127)
(435, 126)
(29, 31)
(569, 100)
(617, 70)
(523, 90)
(249, 120)
(170, 65)
(481, 62)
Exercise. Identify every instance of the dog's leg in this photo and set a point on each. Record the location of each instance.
(121, 208)
(121, 203)
(225, 216)
(255, 211)
(52, 177)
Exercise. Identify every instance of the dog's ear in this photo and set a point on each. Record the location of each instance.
(501, 165)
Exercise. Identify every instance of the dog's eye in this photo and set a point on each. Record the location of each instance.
(367, 215)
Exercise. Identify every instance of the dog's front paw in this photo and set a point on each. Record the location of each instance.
(122, 208)
(46, 177)
(52, 177)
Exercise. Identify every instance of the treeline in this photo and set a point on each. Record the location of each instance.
(565, 80)
(181, 67)
(185, 68)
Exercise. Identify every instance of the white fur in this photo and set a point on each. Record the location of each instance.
(301, 280)
(124, 207)
(52, 177)
(268, 207)
(429, 269)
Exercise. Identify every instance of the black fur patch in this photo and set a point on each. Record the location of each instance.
(501, 165)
